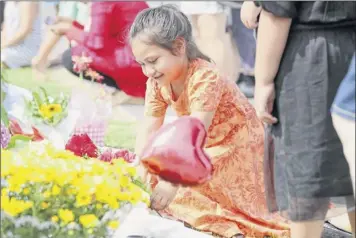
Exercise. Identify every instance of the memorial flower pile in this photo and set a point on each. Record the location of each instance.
(47, 192)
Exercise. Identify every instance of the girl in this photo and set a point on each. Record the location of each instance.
(105, 43)
(182, 77)
(68, 12)
(303, 52)
(21, 36)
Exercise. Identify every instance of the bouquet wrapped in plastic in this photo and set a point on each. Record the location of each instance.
(176, 153)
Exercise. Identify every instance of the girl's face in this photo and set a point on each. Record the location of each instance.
(158, 63)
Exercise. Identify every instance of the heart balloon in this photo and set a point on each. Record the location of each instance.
(175, 153)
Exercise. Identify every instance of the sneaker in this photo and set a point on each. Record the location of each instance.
(246, 84)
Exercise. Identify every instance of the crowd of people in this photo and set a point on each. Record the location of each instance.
(278, 164)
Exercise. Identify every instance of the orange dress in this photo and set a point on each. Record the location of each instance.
(233, 201)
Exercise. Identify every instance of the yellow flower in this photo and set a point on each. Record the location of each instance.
(98, 206)
(55, 219)
(26, 191)
(83, 200)
(56, 190)
(88, 220)
(14, 207)
(113, 224)
(47, 111)
(4, 192)
(46, 194)
(66, 215)
(44, 205)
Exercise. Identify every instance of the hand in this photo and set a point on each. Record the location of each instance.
(163, 195)
(249, 14)
(143, 174)
(263, 101)
(61, 28)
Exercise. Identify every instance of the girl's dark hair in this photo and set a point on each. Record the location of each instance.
(163, 25)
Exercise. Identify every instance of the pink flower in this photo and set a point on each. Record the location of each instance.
(94, 75)
(81, 63)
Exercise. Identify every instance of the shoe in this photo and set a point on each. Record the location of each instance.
(331, 231)
(246, 84)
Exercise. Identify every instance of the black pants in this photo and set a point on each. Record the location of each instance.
(68, 64)
(2, 9)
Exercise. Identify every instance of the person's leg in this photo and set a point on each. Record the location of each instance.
(306, 229)
(246, 44)
(40, 61)
(346, 132)
(211, 38)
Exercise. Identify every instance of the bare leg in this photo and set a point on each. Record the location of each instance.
(352, 218)
(211, 38)
(346, 132)
(307, 229)
(40, 61)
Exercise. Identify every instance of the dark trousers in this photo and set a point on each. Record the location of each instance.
(244, 39)
(68, 64)
(2, 9)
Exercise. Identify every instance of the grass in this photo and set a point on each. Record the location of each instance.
(120, 134)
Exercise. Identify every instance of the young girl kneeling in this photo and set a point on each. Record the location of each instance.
(180, 76)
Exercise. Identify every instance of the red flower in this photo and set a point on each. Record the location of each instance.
(82, 145)
(109, 155)
(15, 129)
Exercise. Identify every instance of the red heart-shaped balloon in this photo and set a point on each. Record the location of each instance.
(175, 153)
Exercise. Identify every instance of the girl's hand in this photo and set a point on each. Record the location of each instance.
(263, 101)
(163, 195)
(249, 14)
(143, 174)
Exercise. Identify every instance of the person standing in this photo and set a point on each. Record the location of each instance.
(303, 53)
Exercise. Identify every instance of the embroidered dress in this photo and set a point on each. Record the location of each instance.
(233, 202)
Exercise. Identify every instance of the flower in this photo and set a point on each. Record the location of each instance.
(81, 63)
(54, 219)
(66, 215)
(48, 111)
(82, 145)
(5, 136)
(80, 195)
(94, 75)
(88, 220)
(113, 224)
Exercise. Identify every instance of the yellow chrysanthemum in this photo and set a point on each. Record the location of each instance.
(66, 215)
(88, 220)
(113, 225)
(83, 200)
(48, 111)
(55, 190)
(55, 219)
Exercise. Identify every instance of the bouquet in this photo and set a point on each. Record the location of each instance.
(50, 110)
(47, 192)
(92, 122)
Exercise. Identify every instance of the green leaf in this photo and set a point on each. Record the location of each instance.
(44, 95)
(18, 138)
(37, 99)
(4, 116)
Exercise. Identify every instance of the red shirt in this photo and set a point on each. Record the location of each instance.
(107, 44)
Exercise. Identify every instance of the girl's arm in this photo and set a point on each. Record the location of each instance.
(272, 38)
(149, 126)
(29, 12)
